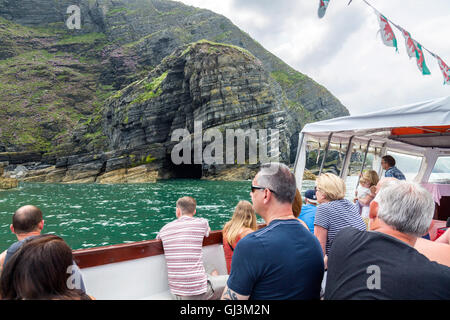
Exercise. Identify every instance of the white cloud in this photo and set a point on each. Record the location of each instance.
(343, 52)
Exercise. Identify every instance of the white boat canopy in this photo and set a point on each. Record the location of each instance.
(426, 133)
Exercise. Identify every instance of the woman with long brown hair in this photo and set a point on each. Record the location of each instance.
(241, 224)
(40, 269)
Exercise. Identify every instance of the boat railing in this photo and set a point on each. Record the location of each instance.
(92, 257)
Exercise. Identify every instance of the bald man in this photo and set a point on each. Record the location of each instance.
(27, 223)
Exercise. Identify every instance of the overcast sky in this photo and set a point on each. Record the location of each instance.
(343, 52)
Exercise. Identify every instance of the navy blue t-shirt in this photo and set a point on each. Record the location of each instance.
(279, 262)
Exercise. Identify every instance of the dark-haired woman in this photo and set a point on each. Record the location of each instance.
(40, 269)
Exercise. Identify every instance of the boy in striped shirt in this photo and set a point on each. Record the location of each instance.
(182, 241)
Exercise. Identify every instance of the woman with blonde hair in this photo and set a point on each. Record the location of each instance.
(241, 224)
(333, 212)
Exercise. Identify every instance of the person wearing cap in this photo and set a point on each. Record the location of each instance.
(308, 212)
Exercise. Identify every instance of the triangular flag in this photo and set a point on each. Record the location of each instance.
(421, 59)
(414, 49)
(323, 5)
(387, 35)
(444, 68)
(409, 42)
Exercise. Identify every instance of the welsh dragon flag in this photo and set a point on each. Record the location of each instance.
(444, 68)
(421, 59)
(387, 35)
(410, 46)
(414, 49)
(323, 5)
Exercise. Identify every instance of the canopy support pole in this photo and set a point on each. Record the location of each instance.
(299, 147)
(348, 155)
(326, 153)
(364, 161)
(300, 160)
(382, 154)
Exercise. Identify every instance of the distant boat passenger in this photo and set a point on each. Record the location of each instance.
(241, 224)
(308, 212)
(297, 207)
(366, 192)
(388, 164)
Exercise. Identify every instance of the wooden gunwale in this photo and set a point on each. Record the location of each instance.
(92, 257)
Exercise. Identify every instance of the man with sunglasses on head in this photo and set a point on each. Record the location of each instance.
(283, 260)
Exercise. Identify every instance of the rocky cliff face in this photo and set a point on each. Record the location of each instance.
(135, 72)
(222, 86)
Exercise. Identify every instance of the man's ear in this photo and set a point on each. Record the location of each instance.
(195, 211)
(11, 228)
(178, 212)
(41, 225)
(373, 211)
(267, 196)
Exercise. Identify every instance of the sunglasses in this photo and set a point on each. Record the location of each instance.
(261, 188)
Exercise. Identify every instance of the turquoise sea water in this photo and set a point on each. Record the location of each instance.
(91, 215)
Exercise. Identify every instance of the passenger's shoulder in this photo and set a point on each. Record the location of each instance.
(347, 238)
(348, 234)
(15, 245)
(323, 207)
(203, 220)
(249, 241)
(168, 225)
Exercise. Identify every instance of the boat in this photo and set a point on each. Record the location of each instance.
(138, 270)
(420, 130)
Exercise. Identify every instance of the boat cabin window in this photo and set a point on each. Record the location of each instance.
(409, 165)
(441, 171)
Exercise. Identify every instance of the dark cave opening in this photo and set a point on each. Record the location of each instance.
(185, 171)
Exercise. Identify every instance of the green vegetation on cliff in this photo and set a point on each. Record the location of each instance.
(214, 44)
(54, 82)
(152, 89)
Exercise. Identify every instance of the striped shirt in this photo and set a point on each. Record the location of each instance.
(182, 241)
(337, 215)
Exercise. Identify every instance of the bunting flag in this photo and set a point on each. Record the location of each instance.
(414, 49)
(409, 42)
(323, 5)
(421, 59)
(444, 68)
(387, 35)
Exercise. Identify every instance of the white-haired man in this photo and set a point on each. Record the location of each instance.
(382, 263)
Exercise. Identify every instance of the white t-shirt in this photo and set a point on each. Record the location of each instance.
(362, 193)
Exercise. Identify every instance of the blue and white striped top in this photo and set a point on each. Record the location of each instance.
(336, 215)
